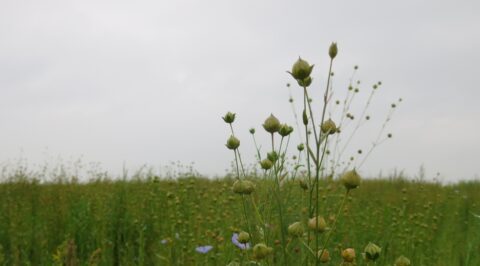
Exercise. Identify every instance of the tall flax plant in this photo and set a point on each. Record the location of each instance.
(260, 228)
(316, 150)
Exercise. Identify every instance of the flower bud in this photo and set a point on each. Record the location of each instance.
(252, 130)
(243, 237)
(271, 124)
(329, 127)
(333, 50)
(285, 130)
(266, 164)
(351, 179)
(229, 118)
(295, 229)
(372, 252)
(304, 82)
(305, 117)
(402, 261)
(243, 187)
(317, 224)
(272, 156)
(261, 251)
(300, 147)
(233, 143)
(324, 256)
(348, 255)
(301, 69)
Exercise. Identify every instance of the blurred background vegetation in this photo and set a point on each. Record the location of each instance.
(148, 220)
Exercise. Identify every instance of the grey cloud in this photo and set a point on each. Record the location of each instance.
(147, 82)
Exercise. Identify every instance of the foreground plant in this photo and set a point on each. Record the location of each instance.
(271, 229)
(372, 252)
(402, 261)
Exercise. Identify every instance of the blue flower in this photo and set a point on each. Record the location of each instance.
(203, 249)
(238, 244)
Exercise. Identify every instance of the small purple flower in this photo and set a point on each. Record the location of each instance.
(238, 244)
(203, 249)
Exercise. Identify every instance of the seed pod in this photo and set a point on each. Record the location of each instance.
(305, 82)
(402, 261)
(372, 252)
(329, 127)
(271, 124)
(266, 164)
(317, 224)
(229, 118)
(333, 50)
(272, 156)
(243, 187)
(300, 147)
(323, 257)
(301, 69)
(295, 229)
(243, 237)
(305, 117)
(285, 130)
(348, 255)
(351, 179)
(261, 251)
(233, 143)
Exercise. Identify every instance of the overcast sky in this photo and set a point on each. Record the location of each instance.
(146, 82)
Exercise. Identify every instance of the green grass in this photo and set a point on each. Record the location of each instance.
(124, 222)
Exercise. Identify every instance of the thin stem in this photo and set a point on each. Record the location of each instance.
(334, 222)
(309, 174)
(377, 141)
(239, 157)
(236, 164)
(325, 101)
(243, 198)
(311, 116)
(279, 203)
(256, 148)
(318, 141)
(317, 209)
(292, 104)
(308, 248)
(362, 116)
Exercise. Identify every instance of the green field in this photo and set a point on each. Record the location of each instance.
(155, 221)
